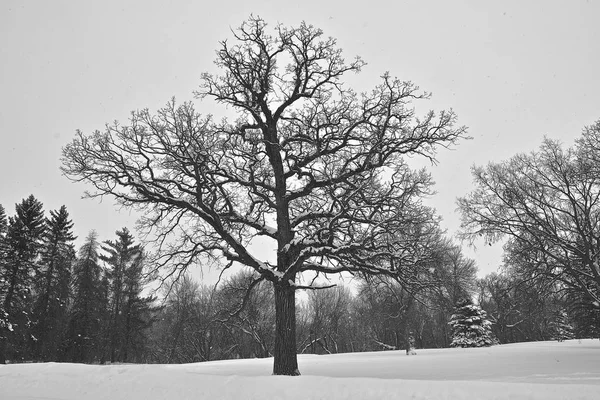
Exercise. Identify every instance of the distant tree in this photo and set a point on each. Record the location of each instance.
(328, 323)
(120, 254)
(105, 332)
(508, 304)
(585, 319)
(84, 337)
(138, 310)
(3, 246)
(182, 332)
(308, 163)
(5, 324)
(130, 312)
(470, 327)
(521, 309)
(200, 323)
(52, 285)
(547, 203)
(23, 241)
(3, 251)
(246, 309)
(458, 274)
(561, 326)
(457, 277)
(3, 222)
(384, 308)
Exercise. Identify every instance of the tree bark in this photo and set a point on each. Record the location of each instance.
(3, 339)
(286, 362)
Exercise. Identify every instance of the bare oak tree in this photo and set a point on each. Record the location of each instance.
(308, 163)
(547, 204)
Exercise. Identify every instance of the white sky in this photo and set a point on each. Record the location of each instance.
(513, 70)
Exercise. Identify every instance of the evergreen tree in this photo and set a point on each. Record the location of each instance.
(83, 338)
(470, 328)
(561, 327)
(3, 248)
(3, 255)
(52, 284)
(586, 318)
(105, 315)
(129, 311)
(3, 221)
(138, 312)
(23, 242)
(5, 325)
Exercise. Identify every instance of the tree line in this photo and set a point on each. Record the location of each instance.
(545, 206)
(320, 172)
(201, 323)
(57, 304)
(89, 306)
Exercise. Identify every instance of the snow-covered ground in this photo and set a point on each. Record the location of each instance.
(540, 370)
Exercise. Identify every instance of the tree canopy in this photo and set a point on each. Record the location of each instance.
(308, 163)
(547, 203)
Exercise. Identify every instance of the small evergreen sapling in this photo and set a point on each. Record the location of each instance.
(470, 328)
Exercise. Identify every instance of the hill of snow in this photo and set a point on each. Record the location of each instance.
(539, 370)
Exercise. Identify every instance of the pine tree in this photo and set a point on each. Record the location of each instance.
(137, 310)
(3, 255)
(104, 317)
(469, 325)
(585, 316)
(5, 325)
(120, 252)
(3, 252)
(23, 242)
(561, 327)
(129, 311)
(83, 338)
(3, 221)
(53, 285)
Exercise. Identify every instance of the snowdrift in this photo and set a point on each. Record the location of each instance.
(539, 370)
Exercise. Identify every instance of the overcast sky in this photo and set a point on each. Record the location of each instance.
(514, 71)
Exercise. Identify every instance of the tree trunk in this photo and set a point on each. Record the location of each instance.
(286, 362)
(11, 289)
(3, 339)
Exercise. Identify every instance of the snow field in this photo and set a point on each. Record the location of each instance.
(539, 370)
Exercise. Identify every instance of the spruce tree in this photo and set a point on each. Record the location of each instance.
(105, 315)
(561, 327)
(129, 311)
(137, 310)
(84, 341)
(3, 255)
(3, 222)
(469, 325)
(53, 284)
(23, 242)
(585, 316)
(5, 325)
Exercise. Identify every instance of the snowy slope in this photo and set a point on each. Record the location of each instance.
(542, 370)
